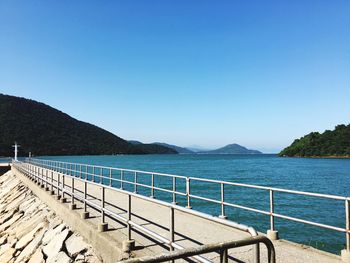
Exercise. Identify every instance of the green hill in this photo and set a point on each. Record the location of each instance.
(43, 130)
(334, 143)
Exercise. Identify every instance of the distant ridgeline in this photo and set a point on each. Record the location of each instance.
(43, 130)
(334, 143)
(228, 149)
(231, 149)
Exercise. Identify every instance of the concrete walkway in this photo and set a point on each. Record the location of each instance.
(190, 230)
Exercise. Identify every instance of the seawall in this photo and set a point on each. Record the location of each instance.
(30, 231)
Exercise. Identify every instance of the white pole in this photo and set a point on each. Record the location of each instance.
(16, 150)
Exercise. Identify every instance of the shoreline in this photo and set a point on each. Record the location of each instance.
(319, 157)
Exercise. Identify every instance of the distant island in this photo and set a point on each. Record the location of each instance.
(231, 149)
(228, 149)
(43, 130)
(329, 144)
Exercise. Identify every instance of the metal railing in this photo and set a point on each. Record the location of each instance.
(43, 172)
(221, 247)
(111, 175)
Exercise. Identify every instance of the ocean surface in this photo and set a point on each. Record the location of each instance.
(328, 176)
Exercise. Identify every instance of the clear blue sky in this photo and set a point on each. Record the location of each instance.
(203, 73)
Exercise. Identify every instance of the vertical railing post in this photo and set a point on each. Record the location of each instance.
(174, 190)
(135, 182)
(58, 185)
(110, 177)
(93, 173)
(46, 180)
(129, 217)
(345, 253)
(102, 204)
(128, 245)
(101, 175)
(152, 186)
(72, 204)
(172, 228)
(85, 196)
(121, 179)
(347, 218)
(223, 215)
(188, 193)
(223, 256)
(80, 172)
(103, 226)
(85, 213)
(272, 233)
(51, 182)
(63, 199)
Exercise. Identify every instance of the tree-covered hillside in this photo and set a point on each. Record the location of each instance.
(43, 130)
(334, 143)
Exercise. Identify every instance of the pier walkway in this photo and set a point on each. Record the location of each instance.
(155, 226)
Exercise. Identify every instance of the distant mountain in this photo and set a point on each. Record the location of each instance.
(43, 130)
(334, 143)
(197, 148)
(231, 149)
(178, 149)
(134, 142)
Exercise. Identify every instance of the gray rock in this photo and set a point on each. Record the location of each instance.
(4, 248)
(61, 257)
(80, 258)
(38, 257)
(7, 256)
(75, 245)
(51, 233)
(56, 244)
(29, 250)
(3, 239)
(28, 237)
(8, 223)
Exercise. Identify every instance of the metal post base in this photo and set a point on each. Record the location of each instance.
(84, 215)
(188, 207)
(102, 227)
(72, 206)
(345, 256)
(222, 217)
(272, 234)
(58, 197)
(63, 200)
(128, 245)
(52, 192)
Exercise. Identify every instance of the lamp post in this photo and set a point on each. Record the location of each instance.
(16, 149)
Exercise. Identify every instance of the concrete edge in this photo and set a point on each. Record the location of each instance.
(310, 248)
(107, 247)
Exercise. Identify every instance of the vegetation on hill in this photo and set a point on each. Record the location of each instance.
(334, 143)
(43, 130)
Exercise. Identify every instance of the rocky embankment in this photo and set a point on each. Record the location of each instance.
(31, 232)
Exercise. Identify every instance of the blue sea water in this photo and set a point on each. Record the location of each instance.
(328, 176)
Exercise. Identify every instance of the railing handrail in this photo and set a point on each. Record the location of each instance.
(203, 249)
(103, 210)
(260, 187)
(67, 166)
